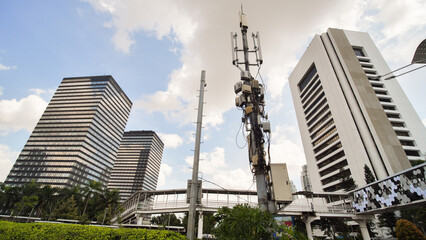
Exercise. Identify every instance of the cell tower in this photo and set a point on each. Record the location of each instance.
(250, 98)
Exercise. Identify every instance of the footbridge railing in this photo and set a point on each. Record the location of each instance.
(404, 189)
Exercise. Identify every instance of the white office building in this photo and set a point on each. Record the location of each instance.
(348, 115)
(305, 179)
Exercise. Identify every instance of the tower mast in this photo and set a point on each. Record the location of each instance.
(250, 98)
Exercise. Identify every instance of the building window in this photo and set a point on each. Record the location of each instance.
(385, 100)
(380, 92)
(322, 129)
(328, 151)
(319, 115)
(340, 175)
(358, 51)
(402, 134)
(390, 115)
(389, 108)
(407, 143)
(334, 168)
(326, 144)
(412, 153)
(376, 85)
(397, 124)
(307, 78)
(331, 131)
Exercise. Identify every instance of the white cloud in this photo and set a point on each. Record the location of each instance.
(199, 34)
(200, 31)
(1, 90)
(165, 170)
(214, 168)
(424, 122)
(171, 140)
(284, 149)
(37, 91)
(20, 114)
(7, 158)
(5, 68)
(162, 19)
(397, 27)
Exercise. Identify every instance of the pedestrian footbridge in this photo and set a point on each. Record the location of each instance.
(405, 189)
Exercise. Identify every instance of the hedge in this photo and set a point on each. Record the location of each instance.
(37, 231)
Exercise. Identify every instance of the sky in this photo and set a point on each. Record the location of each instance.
(155, 50)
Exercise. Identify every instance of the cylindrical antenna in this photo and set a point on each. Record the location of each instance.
(234, 53)
(260, 59)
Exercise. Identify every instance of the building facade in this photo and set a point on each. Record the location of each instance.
(304, 177)
(138, 163)
(77, 138)
(348, 115)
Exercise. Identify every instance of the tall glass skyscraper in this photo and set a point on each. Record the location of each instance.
(138, 163)
(77, 138)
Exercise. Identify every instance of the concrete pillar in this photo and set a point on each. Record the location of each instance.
(307, 220)
(200, 225)
(139, 219)
(308, 229)
(363, 227)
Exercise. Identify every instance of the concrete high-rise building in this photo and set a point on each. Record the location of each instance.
(348, 115)
(138, 163)
(77, 138)
(304, 177)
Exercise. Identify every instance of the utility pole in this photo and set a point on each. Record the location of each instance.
(195, 184)
(250, 99)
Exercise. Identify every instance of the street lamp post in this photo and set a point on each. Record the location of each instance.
(418, 58)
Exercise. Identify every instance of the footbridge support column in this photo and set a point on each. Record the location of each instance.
(200, 225)
(139, 219)
(307, 220)
(362, 222)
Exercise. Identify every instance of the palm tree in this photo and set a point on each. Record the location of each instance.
(8, 197)
(47, 196)
(94, 187)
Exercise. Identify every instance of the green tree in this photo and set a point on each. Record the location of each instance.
(406, 230)
(105, 206)
(47, 200)
(299, 225)
(348, 183)
(166, 219)
(368, 175)
(209, 222)
(66, 210)
(90, 191)
(26, 204)
(416, 216)
(333, 227)
(388, 219)
(290, 233)
(8, 197)
(244, 222)
(63, 195)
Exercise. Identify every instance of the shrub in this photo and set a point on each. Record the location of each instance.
(406, 230)
(244, 222)
(35, 231)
